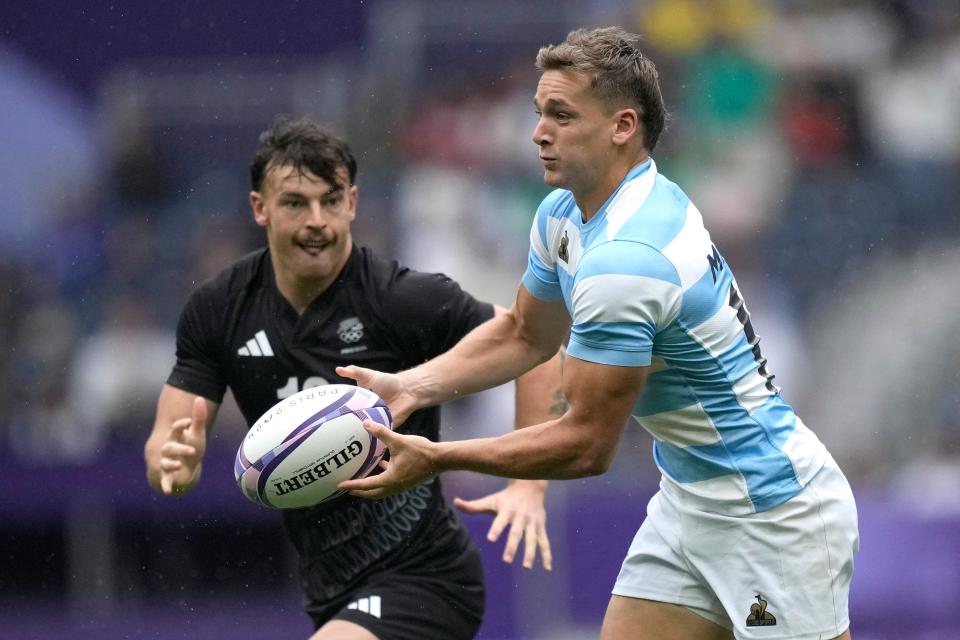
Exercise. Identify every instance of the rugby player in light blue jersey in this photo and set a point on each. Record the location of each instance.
(753, 531)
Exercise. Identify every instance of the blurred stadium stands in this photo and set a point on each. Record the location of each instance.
(821, 141)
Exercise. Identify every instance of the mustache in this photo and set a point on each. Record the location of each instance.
(316, 238)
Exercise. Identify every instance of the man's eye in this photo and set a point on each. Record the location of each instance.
(332, 202)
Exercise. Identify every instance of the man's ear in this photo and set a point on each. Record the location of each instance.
(353, 193)
(626, 126)
(259, 211)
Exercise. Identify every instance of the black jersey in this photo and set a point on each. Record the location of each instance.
(238, 331)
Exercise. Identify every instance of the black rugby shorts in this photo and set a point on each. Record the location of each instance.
(438, 598)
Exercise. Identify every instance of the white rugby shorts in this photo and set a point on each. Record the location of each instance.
(781, 573)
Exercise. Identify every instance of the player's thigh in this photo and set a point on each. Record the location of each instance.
(784, 572)
(342, 630)
(640, 619)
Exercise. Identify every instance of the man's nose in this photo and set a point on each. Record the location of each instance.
(540, 136)
(318, 216)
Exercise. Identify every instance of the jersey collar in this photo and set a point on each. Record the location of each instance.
(319, 301)
(634, 173)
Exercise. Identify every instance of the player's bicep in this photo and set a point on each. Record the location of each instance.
(601, 398)
(542, 323)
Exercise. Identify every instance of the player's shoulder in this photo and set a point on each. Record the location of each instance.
(656, 213)
(235, 279)
(406, 299)
(390, 276)
(372, 267)
(627, 257)
(668, 194)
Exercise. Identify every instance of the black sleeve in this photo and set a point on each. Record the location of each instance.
(198, 367)
(430, 312)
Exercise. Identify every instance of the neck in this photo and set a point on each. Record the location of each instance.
(589, 201)
(300, 291)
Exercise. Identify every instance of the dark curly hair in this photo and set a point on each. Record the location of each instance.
(304, 145)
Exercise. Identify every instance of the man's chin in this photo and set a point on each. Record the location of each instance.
(552, 178)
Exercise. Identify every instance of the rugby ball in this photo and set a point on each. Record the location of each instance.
(297, 453)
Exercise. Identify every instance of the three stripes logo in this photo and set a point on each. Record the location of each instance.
(258, 346)
(369, 605)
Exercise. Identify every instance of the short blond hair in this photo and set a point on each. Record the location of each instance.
(619, 73)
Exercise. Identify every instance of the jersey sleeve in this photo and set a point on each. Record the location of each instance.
(431, 312)
(197, 369)
(624, 293)
(540, 278)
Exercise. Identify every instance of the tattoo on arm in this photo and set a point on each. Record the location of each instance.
(560, 404)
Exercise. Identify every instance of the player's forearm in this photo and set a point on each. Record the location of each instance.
(554, 450)
(494, 353)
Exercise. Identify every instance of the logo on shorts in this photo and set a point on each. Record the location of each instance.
(563, 253)
(369, 605)
(759, 616)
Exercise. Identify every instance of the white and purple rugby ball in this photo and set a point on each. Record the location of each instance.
(297, 453)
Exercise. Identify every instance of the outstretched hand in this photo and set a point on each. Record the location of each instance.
(181, 455)
(389, 386)
(519, 506)
(411, 463)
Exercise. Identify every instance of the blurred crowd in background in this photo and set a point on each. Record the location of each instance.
(820, 140)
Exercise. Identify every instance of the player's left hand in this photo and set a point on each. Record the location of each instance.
(389, 386)
(411, 463)
(519, 506)
(181, 456)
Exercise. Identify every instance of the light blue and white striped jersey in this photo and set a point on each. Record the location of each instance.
(645, 286)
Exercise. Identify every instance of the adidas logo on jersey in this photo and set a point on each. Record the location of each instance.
(369, 605)
(257, 346)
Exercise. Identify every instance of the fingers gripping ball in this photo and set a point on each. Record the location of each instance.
(297, 453)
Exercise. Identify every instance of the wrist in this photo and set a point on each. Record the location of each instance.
(420, 388)
(437, 457)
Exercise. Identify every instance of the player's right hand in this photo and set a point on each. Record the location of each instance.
(389, 386)
(181, 455)
(412, 462)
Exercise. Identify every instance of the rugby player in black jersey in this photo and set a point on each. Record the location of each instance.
(282, 319)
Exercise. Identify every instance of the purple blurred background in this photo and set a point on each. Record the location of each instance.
(821, 141)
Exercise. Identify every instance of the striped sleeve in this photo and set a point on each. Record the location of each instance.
(624, 293)
(540, 278)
